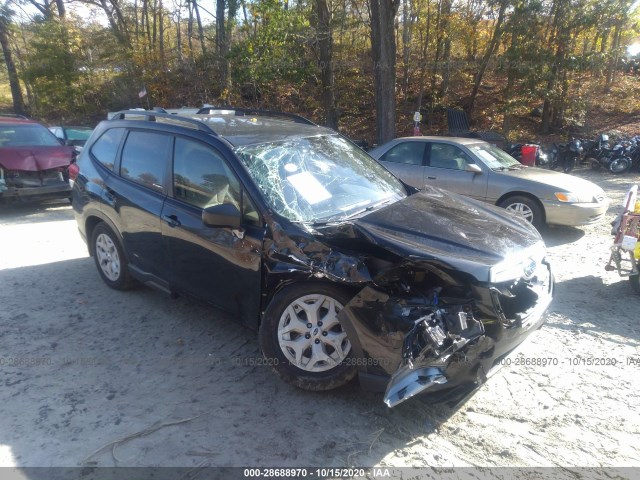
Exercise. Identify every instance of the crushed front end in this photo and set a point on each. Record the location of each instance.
(421, 337)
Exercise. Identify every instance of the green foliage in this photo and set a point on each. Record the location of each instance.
(273, 50)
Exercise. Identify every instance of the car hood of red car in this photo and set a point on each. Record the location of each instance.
(33, 159)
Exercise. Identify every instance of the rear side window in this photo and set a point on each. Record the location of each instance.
(409, 153)
(105, 148)
(144, 158)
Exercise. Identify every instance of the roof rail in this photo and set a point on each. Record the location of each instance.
(151, 115)
(257, 112)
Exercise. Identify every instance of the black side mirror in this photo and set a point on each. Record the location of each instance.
(222, 215)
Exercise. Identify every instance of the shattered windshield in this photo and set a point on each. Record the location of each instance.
(319, 178)
(493, 157)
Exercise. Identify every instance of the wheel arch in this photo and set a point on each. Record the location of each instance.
(283, 284)
(93, 219)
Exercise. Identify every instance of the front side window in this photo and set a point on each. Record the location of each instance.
(319, 178)
(409, 153)
(443, 155)
(144, 158)
(201, 177)
(105, 148)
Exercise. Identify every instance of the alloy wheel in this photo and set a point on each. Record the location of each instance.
(310, 335)
(108, 258)
(521, 209)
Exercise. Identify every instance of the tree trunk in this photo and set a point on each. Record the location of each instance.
(62, 11)
(14, 82)
(226, 64)
(200, 29)
(613, 60)
(383, 49)
(161, 35)
(446, 74)
(220, 31)
(327, 77)
(495, 38)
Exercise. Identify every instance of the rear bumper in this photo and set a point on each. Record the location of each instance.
(575, 214)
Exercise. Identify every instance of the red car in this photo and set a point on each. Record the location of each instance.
(33, 163)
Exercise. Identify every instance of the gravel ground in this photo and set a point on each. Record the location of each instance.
(174, 382)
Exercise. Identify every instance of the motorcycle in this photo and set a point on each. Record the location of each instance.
(618, 159)
(565, 155)
(621, 160)
(625, 252)
(598, 152)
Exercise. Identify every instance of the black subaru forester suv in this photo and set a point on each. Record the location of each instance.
(342, 268)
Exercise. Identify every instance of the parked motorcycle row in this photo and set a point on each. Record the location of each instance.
(558, 156)
(618, 157)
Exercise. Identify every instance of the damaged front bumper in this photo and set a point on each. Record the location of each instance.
(407, 345)
(27, 184)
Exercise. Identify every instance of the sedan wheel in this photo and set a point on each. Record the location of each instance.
(525, 207)
(303, 340)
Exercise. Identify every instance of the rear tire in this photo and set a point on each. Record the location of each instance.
(620, 165)
(110, 258)
(302, 339)
(526, 208)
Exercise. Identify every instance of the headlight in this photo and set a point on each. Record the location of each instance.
(522, 264)
(570, 197)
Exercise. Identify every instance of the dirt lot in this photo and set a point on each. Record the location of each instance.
(83, 366)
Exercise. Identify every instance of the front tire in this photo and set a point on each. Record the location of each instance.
(110, 258)
(302, 339)
(526, 207)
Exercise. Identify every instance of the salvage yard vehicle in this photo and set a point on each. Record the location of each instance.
(342, 268)
(72, 136)
(482, 171)
(33, 163)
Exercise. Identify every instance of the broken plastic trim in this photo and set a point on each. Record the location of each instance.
(438, 335)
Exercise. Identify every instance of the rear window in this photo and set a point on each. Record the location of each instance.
(144, 158)
(105, 148)
(27, 135)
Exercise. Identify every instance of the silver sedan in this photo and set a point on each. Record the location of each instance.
(477, 169)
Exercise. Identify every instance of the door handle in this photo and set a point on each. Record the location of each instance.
(431, 178)
(172, 220)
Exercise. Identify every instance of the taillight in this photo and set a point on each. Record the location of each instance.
(73, 170)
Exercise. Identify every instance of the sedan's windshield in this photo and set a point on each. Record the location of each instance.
(319, 178)
(493, 157)
(27, 136)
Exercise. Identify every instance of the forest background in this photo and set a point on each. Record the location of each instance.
(525, 68)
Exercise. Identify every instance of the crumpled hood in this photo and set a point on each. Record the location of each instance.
(455, 230)
(34, 159)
